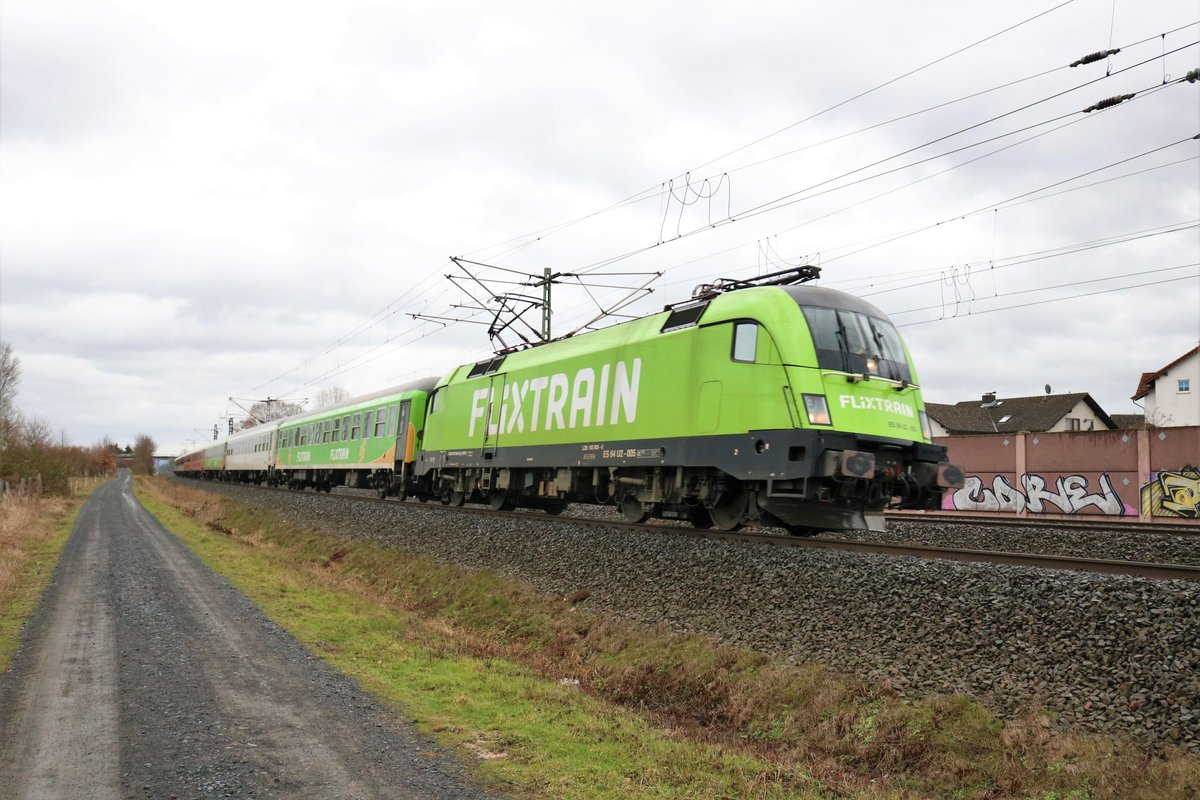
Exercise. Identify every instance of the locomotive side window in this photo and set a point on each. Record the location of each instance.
(745, 341)
(433, 401)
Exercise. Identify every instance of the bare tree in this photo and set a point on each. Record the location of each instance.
(143, 454)
(267, 410)
(10, 379)
(331, 396)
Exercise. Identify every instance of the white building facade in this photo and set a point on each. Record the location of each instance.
(1171, 396)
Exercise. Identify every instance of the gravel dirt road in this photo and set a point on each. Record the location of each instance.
(144, 674)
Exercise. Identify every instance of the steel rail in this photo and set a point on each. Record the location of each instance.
(1087, 523)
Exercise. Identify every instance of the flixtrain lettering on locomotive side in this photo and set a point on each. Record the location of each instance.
(754, 401)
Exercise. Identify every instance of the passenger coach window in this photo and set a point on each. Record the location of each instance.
(392, 416)
(355, 426)
(745, 341)
(367, 425)
(380, 422)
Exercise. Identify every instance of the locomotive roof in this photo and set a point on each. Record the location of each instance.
(831, 298)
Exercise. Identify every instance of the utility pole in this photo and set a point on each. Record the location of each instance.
(546, 284)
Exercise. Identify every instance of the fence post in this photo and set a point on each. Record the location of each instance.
(1020, 466)
(1143, 471)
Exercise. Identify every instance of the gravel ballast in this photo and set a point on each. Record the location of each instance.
(1110, 654)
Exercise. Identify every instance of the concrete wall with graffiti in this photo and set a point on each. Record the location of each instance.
(1148, 475)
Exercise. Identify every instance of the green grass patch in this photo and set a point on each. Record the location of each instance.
(556, 702)
(33, 533)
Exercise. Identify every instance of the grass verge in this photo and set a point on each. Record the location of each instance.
(33, 531)
(558, 703)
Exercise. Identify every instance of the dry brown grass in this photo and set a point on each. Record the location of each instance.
(32, 532)
(25, 524)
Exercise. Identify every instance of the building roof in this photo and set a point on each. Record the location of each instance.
(1148, 378)
(1128, 422)
(1012, 414)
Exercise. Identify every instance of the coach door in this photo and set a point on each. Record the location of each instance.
(494, 416)
(402, 431)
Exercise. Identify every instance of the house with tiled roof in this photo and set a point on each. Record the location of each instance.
(1171, 395)
(1045, 413)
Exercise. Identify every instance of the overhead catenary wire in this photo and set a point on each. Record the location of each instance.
(394, 307)
(1049, 301)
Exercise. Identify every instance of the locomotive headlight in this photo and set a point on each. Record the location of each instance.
(818, 409)
(925, 427)
(872, 366)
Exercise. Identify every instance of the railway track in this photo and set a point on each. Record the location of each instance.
(1155, 571)
(1088, 524)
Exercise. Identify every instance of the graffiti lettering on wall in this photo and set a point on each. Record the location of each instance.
(1173, 494)
(1070, 494)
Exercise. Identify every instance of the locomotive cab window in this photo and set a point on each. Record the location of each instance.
(745, 341)
(848, 341)
(433, 401)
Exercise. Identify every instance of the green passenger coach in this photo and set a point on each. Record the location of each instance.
(798, 405)
(368, 443)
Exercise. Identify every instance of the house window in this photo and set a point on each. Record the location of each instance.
(1072, 423)
(1185, 385)
(1005, 418)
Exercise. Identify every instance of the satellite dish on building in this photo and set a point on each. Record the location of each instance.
(1047, 388)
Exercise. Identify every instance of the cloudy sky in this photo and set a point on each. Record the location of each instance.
(252, 199)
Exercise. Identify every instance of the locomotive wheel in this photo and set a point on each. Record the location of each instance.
(453, 498)
(700, 518)
(632, 510)
(498, 500)
(730, 511)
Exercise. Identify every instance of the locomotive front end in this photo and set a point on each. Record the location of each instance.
(865, 440)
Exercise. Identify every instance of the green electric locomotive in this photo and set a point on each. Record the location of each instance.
(795, 404)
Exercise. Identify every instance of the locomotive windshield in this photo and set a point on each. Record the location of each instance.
(850, 341)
